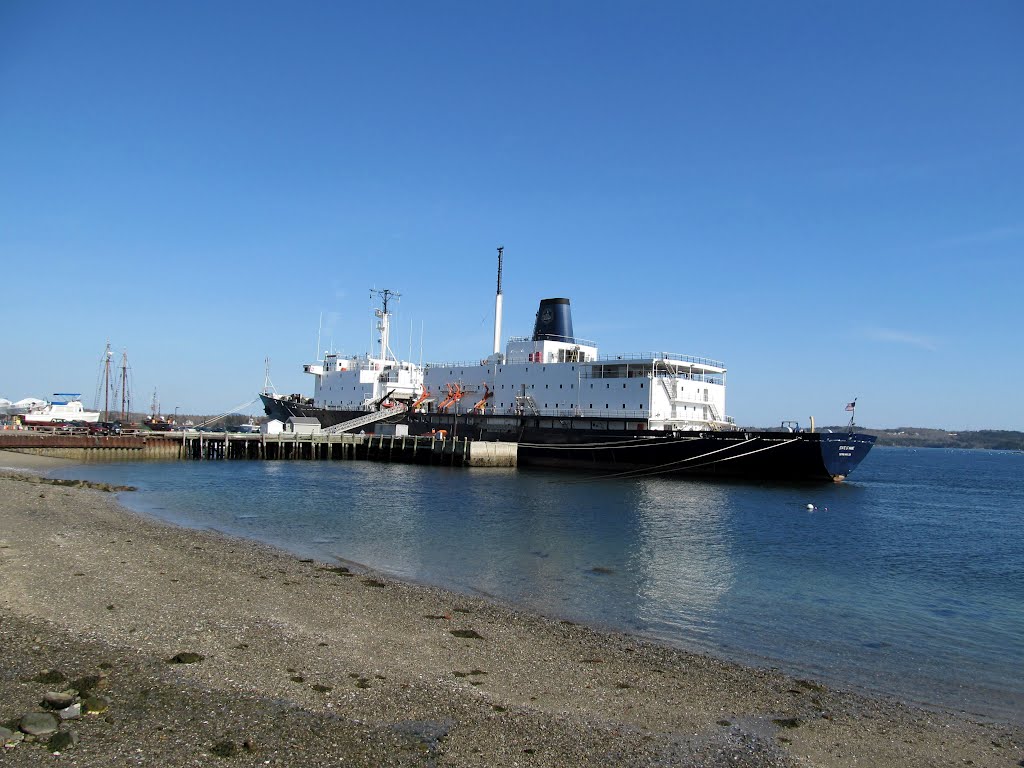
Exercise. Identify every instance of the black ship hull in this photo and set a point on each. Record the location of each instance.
(282, 408)
(760, 456)
(626, 448)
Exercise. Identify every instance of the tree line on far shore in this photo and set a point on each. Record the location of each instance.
(919, 437)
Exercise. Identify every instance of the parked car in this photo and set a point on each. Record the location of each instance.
(105, 428)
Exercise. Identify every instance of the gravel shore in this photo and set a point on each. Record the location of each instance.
(183, 647)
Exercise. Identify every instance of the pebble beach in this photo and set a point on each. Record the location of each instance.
(127, 641)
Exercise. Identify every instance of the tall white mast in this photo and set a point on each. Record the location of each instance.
(497, 306)
(107, 384)
(384, 324)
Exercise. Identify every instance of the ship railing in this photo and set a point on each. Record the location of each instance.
(638, 372)
(659, 356)
(461, 364)
(624, 359)
(551, 337)
(604, 371)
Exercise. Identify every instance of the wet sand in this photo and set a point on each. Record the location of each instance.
(27, 462)
(307, 664)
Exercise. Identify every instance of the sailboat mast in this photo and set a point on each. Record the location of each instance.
(124, 386)
(106, 383)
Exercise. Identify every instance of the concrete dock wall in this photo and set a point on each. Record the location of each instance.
(88, 448)
(199, 446)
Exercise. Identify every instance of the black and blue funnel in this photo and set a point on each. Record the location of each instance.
(554, 321)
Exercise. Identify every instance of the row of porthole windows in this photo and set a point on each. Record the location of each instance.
(451, 371)
(568, 405)
(534, 386)
(572, 386)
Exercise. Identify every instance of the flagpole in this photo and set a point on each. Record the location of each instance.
(852, 407)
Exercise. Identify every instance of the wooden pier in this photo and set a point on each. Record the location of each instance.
(214, 446)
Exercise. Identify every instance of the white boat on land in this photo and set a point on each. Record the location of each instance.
(65, 406)
(7, 408)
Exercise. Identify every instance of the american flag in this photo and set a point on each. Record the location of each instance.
(851, 406)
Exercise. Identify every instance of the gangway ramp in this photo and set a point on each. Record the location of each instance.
(362, 421)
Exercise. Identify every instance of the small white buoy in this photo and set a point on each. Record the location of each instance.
(810, 507)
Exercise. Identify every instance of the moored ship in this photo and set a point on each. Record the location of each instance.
(567, 406)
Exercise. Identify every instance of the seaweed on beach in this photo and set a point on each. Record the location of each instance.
(107, 487)
(469, 634)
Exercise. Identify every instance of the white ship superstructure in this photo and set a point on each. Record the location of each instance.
(554, 374)
(551, 374)
(365, 382)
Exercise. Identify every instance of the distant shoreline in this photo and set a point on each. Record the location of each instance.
(917, 437)
(927, 437)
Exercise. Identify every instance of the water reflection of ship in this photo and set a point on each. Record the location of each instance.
(686, 567)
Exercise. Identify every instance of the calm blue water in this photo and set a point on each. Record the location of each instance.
(908, 579)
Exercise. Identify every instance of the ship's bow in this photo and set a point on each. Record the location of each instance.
(841, 453)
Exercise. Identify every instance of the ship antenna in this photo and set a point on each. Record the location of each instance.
(268, 385)
(386, 295)
(384, 326)
(497, 305)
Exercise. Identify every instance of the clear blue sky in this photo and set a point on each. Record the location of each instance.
(827, 196)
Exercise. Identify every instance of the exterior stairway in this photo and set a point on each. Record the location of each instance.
(362, 421)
